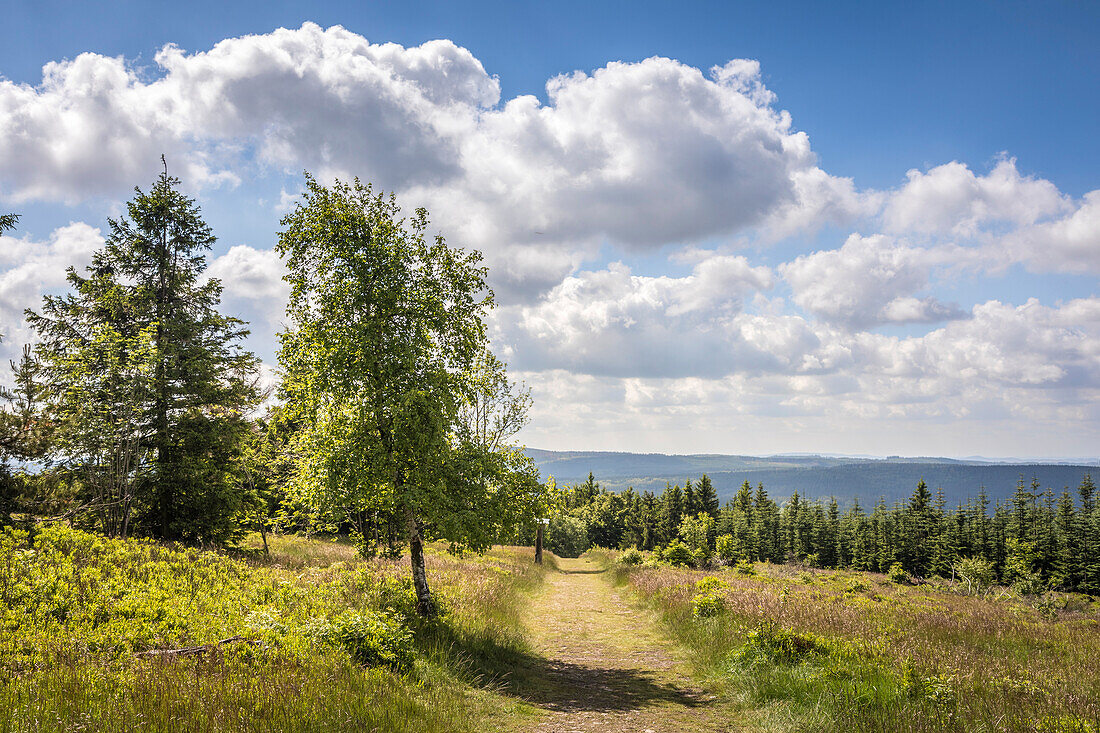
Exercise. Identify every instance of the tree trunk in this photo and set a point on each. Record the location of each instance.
(424, 605)
(538, 544)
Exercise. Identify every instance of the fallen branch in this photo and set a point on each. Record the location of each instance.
(190, 650)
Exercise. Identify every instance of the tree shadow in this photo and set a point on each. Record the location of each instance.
(488, 661)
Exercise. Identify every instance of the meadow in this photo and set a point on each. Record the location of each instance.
(100, 634)
(806, 649)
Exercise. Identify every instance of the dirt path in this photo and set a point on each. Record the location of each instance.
(608, 668)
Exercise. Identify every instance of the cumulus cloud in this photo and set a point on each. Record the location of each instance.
(612, 322)
(639, 154)
(251, 274)
(29, 268)
(950, 199)
(1068, 244)
(1004, 367)
(323, 99)
(869, 281)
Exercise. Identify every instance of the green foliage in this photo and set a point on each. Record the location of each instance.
(977, 573)
(696, 531)
(633, 556)
(77, 611)
(402, 410)
(771, 643)
(725, 547)
(147, 381)
(566, 536)
(709, 600)
(707, 605)
(677, 553)
(372, 639)
(897, 574)
(744, 567)
(1035, 543)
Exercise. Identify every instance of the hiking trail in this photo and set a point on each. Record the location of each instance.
(608, 667)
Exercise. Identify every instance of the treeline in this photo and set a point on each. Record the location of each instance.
(1035, 541)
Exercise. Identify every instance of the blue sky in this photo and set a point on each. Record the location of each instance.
(874, 234)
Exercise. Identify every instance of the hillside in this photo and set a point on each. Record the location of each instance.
(815, 476)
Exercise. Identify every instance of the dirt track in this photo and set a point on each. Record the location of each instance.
(608, 667)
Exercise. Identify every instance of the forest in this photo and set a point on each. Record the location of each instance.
(1036, 542)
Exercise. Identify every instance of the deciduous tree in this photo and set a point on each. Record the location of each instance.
(385, 369)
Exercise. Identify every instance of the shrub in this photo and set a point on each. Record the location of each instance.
(566, 536)
(373, 640)
(855, 585)
(397, 595)
(976, 573)
(633, 556)
(1029, 585)
(744, 567)
(897, 574)
(707, 605)
(773, 643)
(710, 585)
(725, 547)
(677, 553)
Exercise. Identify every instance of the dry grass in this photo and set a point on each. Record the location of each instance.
(903, 657)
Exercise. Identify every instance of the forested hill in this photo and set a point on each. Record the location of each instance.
(813, 476)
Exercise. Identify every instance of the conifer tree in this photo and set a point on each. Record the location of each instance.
(149, 380)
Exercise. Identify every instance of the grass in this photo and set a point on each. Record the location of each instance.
(814, 650)
(79, 615)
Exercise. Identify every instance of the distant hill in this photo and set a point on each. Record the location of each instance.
(814, 476)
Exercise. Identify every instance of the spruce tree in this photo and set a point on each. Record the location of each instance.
(149, 379)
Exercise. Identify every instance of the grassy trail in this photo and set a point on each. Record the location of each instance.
(608, 667)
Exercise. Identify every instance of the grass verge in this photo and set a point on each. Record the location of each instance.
(841, 651)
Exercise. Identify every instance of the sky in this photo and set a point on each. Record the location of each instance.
(849, 227)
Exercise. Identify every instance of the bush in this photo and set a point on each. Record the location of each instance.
(744, 567)
(977, 573)
(373, 640)
(725, 547)
(897, 574)
(566, 536)
(855, 585)
(710, 585)
(708, 600)
(633, 556)
(677, 553)
(397, 595)
(773, 643)
(707, 605)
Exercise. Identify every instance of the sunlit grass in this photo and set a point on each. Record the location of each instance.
(875, 655)
(78, 611)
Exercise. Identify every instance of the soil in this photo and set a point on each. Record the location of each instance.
(608, 668)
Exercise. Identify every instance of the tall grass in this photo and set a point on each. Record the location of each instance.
(84, 621)
(850, 651)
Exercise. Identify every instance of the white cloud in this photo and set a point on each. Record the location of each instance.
(29, 268)
(641, 154)
(869, 281)
(950, 199)
(251, 274)
(1069, 244)
(613, 322)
